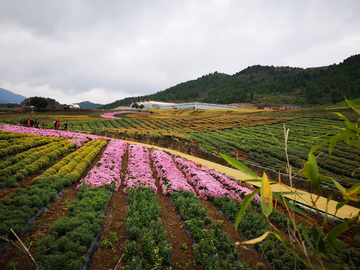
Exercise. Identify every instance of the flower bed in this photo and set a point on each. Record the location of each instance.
(230, 184)
(171, 178)
(206, 186)
(139, 173)
(108, 170)
(111, 114)
(49, 132)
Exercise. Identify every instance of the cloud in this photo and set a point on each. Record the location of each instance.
(103, 51)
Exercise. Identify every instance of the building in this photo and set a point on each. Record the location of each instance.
(157, 105)
(285, 107)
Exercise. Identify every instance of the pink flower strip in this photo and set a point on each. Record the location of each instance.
(108, 170)
(111, 114)
(139, 173)
(171, 178)
(50, 132)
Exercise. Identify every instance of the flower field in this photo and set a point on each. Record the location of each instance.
(95, 171)
(90, 202)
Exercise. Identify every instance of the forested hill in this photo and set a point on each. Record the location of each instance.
(267, 84)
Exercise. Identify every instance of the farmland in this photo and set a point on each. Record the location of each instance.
(255, 137)
(145, 208)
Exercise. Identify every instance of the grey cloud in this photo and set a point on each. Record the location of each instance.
(122, 48)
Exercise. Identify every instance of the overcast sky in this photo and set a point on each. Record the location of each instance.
(102, 51)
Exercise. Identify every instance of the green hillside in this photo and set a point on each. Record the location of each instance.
(267, 84)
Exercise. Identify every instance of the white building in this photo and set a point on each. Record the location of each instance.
(158, 105)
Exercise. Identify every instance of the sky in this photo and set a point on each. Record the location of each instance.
(103, 51)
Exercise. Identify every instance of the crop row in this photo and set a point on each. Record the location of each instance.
(16, 209)
(23, 144)
(259, 145)
(33, 162)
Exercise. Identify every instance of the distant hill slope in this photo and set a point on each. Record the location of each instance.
(7, 96)
(266, 84)
(87, 105)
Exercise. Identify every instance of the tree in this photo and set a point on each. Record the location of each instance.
(39, 102)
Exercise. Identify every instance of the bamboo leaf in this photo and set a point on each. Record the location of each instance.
(339, 229)
(353, 105)
(340, 187)
(244, 205)
(258, 239)
(356, 229)
(352, 198)
(266, 196)
(241, 167)
(341, 204)
(311, 172)
(340, 245)
(348, 123)
(305, 235)
(331, 146)
(356, 144)
(354, 190)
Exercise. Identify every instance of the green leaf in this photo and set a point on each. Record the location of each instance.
(332, 146)
(322, 248)
(356, 144)
(244, 205)
(339, 229)
(353, 105)
(348, 123)
(241, 167)
(356, 229)
(354, 190)
(340, 245)
(311, 172)
(305, 235)
(340, 187)
(341, 204)
(266, 196)
(315, 233)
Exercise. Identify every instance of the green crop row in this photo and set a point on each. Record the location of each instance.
(34, 162)
(7, 135)
(143, 222)
(213, 249)
(25, 144)
(16, 209)
(23, 155)
(71, 235)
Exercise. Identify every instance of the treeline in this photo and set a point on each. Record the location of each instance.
(258, 83)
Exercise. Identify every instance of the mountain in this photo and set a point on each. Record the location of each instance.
(266, 84)
(7, 96)
(87, 105)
